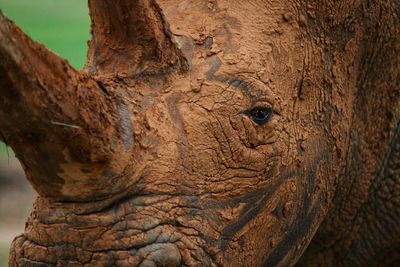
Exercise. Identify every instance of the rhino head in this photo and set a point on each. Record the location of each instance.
(201, 133)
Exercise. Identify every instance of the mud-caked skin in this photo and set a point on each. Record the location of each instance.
(211, 133)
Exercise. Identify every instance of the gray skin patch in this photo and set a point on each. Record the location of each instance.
(109, 174)
(162, 255)
(126, 124)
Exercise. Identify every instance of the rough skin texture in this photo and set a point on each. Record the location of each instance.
(211, 133)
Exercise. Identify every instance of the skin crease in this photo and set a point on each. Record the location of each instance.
(199, 182)
(227, 165)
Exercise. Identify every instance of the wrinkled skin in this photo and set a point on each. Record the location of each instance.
(205, 180)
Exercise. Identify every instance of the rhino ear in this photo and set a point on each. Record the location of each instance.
(130, 37)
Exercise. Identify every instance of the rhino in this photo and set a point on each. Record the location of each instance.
(211, 133)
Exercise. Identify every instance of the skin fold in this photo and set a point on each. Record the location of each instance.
(211, 133)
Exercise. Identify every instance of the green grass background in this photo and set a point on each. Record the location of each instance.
(62, 26)
(4, 255)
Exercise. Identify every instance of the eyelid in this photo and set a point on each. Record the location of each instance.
(262, 105)
(260, 94)
(266, 103)
(259, 105)
(248, 112)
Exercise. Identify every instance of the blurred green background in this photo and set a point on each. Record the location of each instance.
(63, 27)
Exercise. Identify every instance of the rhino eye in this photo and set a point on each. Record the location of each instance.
(260, 115)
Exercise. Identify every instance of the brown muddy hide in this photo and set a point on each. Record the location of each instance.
(213, 136)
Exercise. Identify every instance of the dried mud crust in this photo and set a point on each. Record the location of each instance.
(206, 133)
(120, 235)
